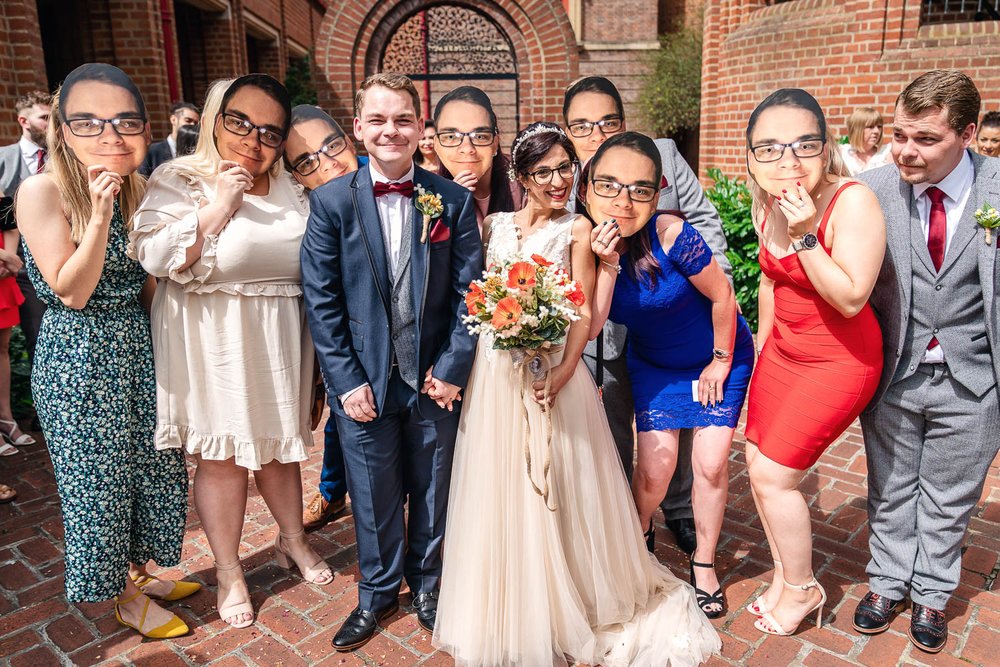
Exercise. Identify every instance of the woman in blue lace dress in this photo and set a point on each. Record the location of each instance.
(690, 352)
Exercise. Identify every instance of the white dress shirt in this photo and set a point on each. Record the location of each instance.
(956, 187)
(29, 153)
(392, 211)
(173, 145)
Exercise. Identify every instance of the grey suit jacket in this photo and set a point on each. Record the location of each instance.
(892, 296)
(13, 170)
(682, 193)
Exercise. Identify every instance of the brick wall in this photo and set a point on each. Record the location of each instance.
(848, 53)
(21, 62)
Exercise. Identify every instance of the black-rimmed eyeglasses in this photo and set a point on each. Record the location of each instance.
(310, 163)
(242, 127)
(92, 127)
(477, 137)
(611, 189)
(586, 128)
(801, 149)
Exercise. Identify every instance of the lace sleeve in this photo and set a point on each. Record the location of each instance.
(690, 254)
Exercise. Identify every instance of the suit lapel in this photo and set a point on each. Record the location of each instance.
(367, 216)
(419, 251)
(899, 231)
(987, 187)
(967, 226)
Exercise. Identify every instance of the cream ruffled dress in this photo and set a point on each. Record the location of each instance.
(234, 359)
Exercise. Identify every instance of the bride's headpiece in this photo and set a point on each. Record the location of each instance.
(539, 129)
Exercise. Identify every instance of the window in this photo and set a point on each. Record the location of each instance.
(959, 11)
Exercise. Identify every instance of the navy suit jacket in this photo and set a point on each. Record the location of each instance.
(158, 153)
(346, 287)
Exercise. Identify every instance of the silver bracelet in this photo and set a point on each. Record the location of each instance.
(617, 268)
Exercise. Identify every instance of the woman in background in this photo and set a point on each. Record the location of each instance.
(864, 149)
(426, 156)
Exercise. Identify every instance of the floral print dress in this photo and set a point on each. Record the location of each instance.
(95, 393)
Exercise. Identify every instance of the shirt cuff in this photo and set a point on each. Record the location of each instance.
(347, 394)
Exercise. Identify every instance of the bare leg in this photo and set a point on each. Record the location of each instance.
(220, 496)
(787, 514)
(773, 593)
(280, 486)
(710, 463)
(655, 463)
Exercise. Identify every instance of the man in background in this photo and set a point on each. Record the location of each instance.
(182, 113)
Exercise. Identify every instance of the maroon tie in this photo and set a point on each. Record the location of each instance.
(41, 161)
(936, 235)
(405, 188)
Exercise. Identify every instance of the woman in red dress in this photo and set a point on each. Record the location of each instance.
(822, 237)
(10, 299)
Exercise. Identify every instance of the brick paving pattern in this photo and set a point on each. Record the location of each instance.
(296, 620)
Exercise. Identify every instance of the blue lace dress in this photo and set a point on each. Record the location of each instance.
(670, 340)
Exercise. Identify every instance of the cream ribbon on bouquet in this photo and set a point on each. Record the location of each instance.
(535, 363)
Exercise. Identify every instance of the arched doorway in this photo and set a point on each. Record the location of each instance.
(446, 46)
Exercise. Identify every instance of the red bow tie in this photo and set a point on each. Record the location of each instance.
(405, 188)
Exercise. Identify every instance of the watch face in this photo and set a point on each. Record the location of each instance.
(809, 241)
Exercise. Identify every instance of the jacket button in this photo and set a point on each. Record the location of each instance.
(935, 330)
(937, 287)
(912, 367)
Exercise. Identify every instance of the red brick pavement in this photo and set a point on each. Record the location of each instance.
(296, 620)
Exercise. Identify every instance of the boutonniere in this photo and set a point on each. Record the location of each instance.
(988, 218)
(428, 203)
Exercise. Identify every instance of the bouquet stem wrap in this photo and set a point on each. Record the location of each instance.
(533, 365)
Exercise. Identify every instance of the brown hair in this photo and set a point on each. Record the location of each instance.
(388, 80)
(946, 89)
(858, 122)
(30, 99)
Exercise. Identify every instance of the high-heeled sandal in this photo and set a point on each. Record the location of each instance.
(240, 608)
(706, 599)
(7, 428)
(318, 573)
(759, 606)
(650, 536)
(175, 627)
(181, 589)
(767, 624)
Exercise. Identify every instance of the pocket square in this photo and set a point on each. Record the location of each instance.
(440, 231)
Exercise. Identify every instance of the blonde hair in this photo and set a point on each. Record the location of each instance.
(396, 82)
(70, 178)
(860, 120)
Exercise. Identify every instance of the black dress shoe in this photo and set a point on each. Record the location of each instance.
(360, 626)
(684, 534)
(426, 606)
(928, 628)
(874, 612)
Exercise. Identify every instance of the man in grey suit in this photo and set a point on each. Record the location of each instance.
(18, 162)
(933, 427)
(593, 111)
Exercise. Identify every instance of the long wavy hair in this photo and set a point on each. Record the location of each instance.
(795, 98)
(639, 261)
(68, 172)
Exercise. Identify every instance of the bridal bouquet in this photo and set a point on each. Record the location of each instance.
(523, 304)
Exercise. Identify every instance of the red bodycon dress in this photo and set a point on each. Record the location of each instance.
(10, 298)
(817, 371)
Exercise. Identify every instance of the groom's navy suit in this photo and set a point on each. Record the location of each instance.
(360, 313)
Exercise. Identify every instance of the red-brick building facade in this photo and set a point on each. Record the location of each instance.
(848, 53)
(523, 52)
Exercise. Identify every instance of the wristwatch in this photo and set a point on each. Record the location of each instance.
(721, 355)
(808, 242)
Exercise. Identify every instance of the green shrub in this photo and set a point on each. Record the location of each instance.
(20, 375)
(670, 98)
(299, 82)
(732, 199)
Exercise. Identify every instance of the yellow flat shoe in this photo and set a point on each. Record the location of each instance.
(175, 627)
(181, 589)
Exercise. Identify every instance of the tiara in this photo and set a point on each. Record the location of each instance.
(541, 129)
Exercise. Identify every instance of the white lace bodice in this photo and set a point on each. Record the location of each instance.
(552, 241)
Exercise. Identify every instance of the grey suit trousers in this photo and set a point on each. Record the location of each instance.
(929, 442)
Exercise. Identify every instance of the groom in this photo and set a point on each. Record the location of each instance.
(384, 302)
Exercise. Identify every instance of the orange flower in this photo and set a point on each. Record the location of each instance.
(540, 261)
(473, 298)
(521, 276)
(576, 296)
(508, 311)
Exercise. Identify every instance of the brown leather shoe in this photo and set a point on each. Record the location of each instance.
(320, 511)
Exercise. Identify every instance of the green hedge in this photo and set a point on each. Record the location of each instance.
(732, 200)
(20, 376)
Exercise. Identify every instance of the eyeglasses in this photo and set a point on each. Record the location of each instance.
(586, 128)
(243, 127)
(92, 127)
(311, 162)
(543, 176)
(611, 189)
(801, 149)
(455, 139)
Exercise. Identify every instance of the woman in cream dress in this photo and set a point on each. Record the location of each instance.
(234, 361)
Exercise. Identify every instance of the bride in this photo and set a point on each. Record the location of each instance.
(563, 578)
